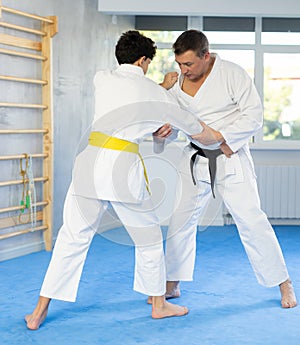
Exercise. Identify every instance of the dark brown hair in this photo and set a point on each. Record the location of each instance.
(132, 45)
(191, 40)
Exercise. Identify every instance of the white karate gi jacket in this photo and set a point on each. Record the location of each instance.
(136, 108)
(229, 103)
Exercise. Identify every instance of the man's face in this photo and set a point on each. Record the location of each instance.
(192, 66)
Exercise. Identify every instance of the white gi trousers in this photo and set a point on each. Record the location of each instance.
(240, 196)
(81, 219)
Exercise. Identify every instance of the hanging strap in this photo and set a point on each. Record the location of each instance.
(23, 173)
(28, 192)
(31, 193)
(105, 141)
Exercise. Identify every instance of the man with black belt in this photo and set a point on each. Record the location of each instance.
(224, 98)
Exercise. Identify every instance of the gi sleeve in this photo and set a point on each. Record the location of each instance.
(250, 119)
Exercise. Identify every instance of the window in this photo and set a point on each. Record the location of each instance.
(281, 78)
(281, 96)
(230, 37)
(229, 30)
(280, 31)
(280, 38)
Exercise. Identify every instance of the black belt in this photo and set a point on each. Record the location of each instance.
(212, 163)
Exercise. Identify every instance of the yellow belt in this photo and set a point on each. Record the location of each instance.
(105, 141)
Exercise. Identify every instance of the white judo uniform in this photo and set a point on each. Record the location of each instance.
(228, 102)
(128, 106)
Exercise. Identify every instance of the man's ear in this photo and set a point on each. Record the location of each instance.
(141, 60)
(207, 56)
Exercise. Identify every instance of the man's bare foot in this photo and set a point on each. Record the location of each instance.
(39, 314)
(34, 322)
(172, 291)
(161, 308)
(288, 298)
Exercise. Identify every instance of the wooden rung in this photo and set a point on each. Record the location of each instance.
(25, 14)
(23, 80)
(15, 182)
(33, 155)
(17, 220)
(21, 54)
(22, 28)
(23, 232)
(18, 208)
(22, 105)
(20, 42)
(23, 131)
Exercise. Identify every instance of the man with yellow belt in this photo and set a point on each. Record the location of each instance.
(110, 172)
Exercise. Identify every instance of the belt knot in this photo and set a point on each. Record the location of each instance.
(211, 155)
